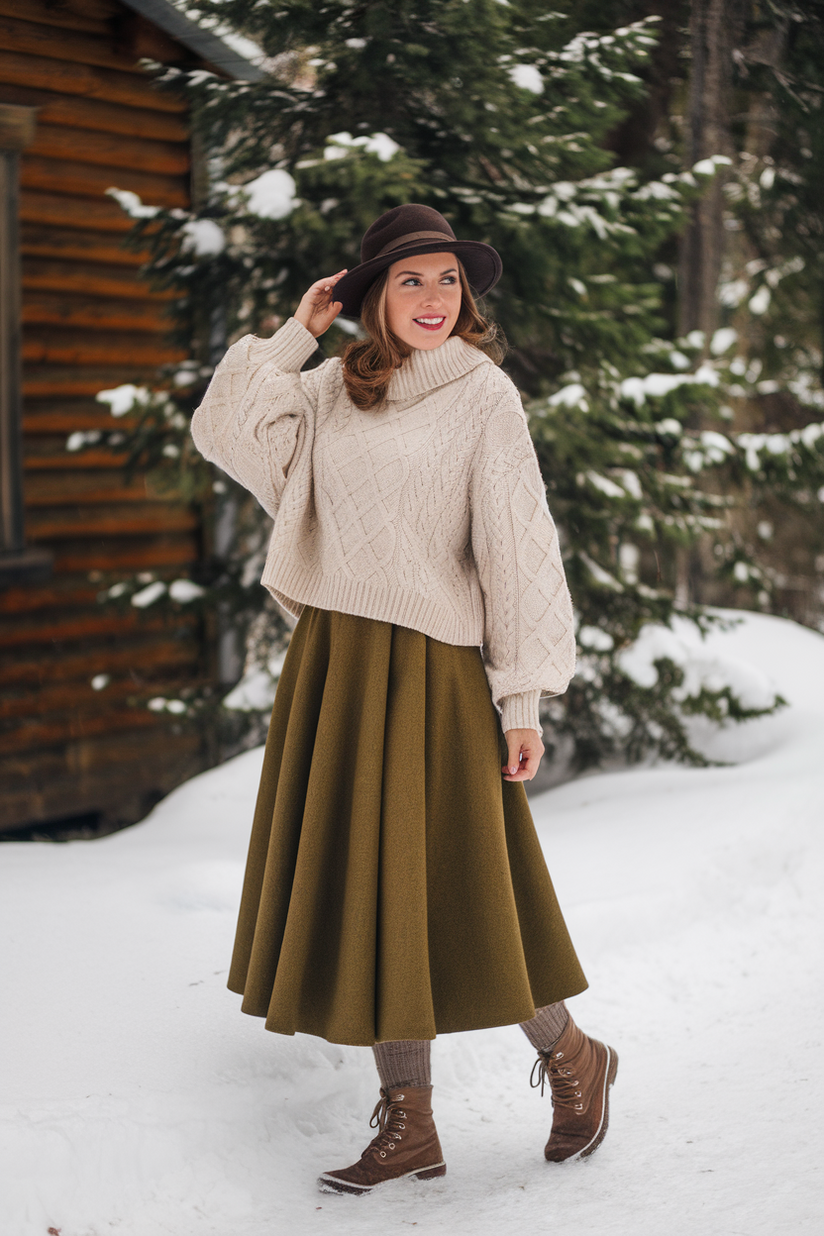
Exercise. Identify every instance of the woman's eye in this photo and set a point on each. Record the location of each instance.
(410, 282)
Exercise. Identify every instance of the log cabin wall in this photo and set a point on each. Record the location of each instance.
(90, 323)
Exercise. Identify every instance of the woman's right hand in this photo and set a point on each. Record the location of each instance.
(317, 310)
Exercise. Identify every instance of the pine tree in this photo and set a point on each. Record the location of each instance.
(374, 104)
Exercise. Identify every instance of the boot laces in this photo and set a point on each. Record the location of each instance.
(553, 1070)
(389, 1118)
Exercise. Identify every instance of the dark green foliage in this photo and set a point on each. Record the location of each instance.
(500, 116)
(506, 164)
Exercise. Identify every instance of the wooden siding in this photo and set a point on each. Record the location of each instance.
(90, 323)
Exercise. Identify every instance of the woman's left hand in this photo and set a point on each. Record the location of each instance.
(525, 750)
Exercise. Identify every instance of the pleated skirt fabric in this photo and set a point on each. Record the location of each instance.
(395, 887)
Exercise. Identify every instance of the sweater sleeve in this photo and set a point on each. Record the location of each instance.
(529, 636)
(252, 420)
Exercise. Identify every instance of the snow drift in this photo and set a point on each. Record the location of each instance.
(137, 1100)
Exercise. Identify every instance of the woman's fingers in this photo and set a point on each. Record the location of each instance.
(524, 752)
(322, 289)
(317, 310)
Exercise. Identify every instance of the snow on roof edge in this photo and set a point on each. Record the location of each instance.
(202, 42)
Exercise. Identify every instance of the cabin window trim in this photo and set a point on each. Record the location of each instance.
(18, 563)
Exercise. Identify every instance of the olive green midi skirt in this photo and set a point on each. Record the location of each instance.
(395, 886)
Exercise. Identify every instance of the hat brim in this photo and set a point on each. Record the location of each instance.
(481, 262)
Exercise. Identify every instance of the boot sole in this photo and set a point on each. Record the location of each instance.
(601, 1132)
(331, 1184)
(609, 1081)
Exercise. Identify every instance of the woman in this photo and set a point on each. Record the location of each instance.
(395, 887)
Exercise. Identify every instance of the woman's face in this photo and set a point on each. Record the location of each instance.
(423, 298)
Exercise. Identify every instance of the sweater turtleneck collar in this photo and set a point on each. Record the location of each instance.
(428, 368)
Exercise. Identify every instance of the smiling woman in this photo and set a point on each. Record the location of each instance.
(415, 304)
(395, 888)
(424, 301)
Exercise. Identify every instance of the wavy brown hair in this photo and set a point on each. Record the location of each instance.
(368, 364)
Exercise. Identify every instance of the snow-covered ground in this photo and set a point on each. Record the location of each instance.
(138, 1101)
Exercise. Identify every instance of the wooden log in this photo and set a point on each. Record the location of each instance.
(58, 486)
(81, 699)
(74, 46)
(104, 753)
(55, 593)
(96, 379)
(117, 282)
(120, 349)
(56, 459)
(48, 455)
(62, 592)
(90, 774)
(110, 86)
(115, 521)
(67, 405)
(54, 210)
(138, 317)
(154, 657)
(73, 384)
(68, 15)
(72, 245)
(168, 551)
(127, 32)
(53, 441)
(99, 116)
(75, 414)
(82, 179)
(29, 735)
(73, 627)
(166, 757)
(53, 488)
(110, 150)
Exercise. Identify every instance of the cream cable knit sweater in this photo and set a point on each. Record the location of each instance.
(430, 513)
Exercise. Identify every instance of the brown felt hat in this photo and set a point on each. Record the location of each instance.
(410, 229)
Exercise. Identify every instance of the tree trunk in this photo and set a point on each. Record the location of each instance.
(714, 27)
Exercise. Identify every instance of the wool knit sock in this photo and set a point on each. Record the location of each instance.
(546, 1027)
(403, 1062)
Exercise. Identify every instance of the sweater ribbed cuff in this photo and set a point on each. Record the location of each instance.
(520, 712)
(288, 348)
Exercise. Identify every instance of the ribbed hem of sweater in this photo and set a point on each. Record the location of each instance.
(293, 586)
(520, 712)
(290, 347)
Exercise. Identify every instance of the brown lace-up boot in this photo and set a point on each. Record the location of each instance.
(406, 1144)
(580, 1072)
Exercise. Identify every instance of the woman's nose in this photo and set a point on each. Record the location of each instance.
(431, 296)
